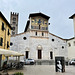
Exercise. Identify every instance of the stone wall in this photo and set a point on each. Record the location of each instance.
(31, 44)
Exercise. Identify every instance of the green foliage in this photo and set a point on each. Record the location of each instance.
(18, 73)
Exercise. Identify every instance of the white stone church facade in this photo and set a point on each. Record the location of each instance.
(37, 42)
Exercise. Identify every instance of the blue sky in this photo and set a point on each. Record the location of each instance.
(58, 10)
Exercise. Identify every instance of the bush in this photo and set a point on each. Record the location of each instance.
(18, 73)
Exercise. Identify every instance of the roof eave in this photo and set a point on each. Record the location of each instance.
(71, 17)
(38, 14)
(5, 19)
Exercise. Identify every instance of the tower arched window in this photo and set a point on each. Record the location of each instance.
(14, 19)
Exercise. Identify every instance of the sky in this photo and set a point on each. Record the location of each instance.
(59, 12)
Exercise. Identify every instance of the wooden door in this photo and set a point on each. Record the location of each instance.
(39, 54)
(27, 54)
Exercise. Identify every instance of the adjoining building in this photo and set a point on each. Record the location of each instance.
(5, 34)
(71, 42)
(37, 42)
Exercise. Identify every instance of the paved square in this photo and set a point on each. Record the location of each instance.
(44, 70)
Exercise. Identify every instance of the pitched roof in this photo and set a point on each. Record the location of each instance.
(71, 17)
(49, 33)
(5, 19)
(71, 38)
(58, 36)
(39, 14)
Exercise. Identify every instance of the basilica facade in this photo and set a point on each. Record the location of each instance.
(37, 42)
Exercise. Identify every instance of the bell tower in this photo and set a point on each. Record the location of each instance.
(14, 22)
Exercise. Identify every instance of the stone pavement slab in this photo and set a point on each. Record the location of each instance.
(44, 70)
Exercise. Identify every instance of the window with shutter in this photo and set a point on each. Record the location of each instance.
(7, 44)
(8, 32)
(2, 26)
(1, 41)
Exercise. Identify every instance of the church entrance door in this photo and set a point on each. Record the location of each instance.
(39, 54)
(27, 53)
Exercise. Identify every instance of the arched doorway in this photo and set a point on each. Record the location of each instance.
(39, 54)
(39, 48)
(26, 53)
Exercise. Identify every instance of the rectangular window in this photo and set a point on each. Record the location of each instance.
(14, 22)
(43, 28)
(37, 27)
(46, 28)
(8, 32)
(2, 26)
(69, 44)
(1, 41)
(74, 43)
(14, 19)
(7, 44)
(32, 27)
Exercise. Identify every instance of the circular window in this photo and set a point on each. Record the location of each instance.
(24, 38)
(62, 47)
(11, 43)
(52, 39)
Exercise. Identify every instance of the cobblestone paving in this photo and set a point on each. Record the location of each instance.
(44, 70)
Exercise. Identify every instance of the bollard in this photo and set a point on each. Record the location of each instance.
(59, 64)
